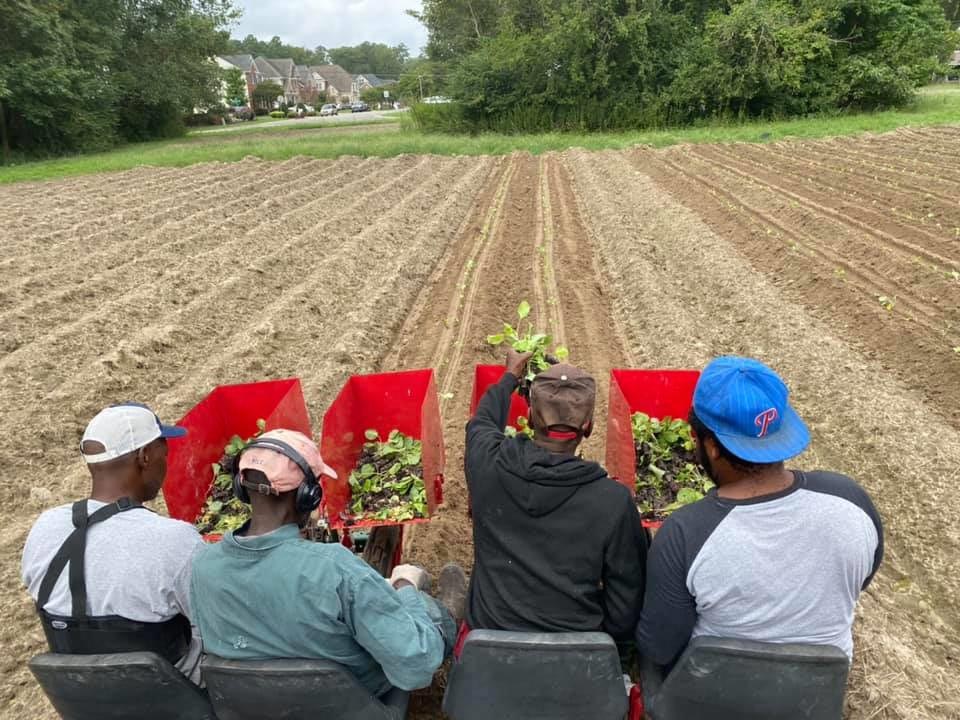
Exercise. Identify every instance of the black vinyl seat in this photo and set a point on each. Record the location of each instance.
(294, 690)
(724, 679)
(536, 676)
(118, 686)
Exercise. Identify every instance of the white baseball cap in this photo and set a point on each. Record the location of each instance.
(123, 428)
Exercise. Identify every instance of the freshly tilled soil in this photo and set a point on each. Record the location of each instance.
(158, 284)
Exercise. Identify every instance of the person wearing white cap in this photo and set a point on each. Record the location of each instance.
(265, 592)
(106, 573)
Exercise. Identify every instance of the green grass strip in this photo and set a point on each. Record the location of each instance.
(939, 105)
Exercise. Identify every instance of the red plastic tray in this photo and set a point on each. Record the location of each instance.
(486, 375)
(658, 393)
(406, 401)
(227, 411)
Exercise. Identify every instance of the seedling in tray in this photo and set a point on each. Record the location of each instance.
(387, 483)
(529, 341)
(668, 475)
(222, 512)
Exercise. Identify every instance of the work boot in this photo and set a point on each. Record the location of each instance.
(452, 591)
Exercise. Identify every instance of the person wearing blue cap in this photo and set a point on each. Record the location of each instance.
(771, 554)
(107, 574)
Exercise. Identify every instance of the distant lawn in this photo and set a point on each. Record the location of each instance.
(937, 105)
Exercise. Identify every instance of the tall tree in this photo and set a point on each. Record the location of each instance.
(374, 58)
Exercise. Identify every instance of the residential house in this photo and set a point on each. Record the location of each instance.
(312, 90)
(336, 81)
(286, 70)
(244, 63)
(955, 62)
(367, 80)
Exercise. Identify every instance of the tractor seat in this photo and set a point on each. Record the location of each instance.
(294, 690)
(724, 679)
(536, 676)
(119, 686)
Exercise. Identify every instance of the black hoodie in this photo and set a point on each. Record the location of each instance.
(558, 545)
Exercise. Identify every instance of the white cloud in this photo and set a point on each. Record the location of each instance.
(332, 23)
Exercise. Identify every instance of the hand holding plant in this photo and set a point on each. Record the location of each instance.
(527, 342)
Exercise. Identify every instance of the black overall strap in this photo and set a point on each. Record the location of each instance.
(73, 551)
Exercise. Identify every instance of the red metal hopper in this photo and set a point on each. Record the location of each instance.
(406, 401)
(658, 393)
(486, 375)
(227, 411)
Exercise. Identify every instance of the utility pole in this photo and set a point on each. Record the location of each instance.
(420, 78)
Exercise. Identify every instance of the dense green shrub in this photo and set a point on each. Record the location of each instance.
(614, 64)
(278, 114)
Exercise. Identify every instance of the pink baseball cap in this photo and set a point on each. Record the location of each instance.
(282, 472)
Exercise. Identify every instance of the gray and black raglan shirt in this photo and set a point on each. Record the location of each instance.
(785, 568)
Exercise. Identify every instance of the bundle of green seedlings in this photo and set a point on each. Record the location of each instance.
(527, 340)
(222, 512)
(668, 474)
(387, 483)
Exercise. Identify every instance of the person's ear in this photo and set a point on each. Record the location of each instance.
(142, 459)
(711, 448)
(588, 429)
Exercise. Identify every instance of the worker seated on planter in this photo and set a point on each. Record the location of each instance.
(558, 545)
(107, 574)
(770, 554)
(263, 592)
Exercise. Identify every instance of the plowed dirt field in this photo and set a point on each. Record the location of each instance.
(838, 262)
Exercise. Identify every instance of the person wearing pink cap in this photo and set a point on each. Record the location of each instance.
(264, 592)
(107, 574)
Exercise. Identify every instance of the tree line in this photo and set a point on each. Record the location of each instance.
(82, 75)
(533, 65)
(86, 75)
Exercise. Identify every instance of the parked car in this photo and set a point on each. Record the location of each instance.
(359, 107)
(436, 100)
(328, 109)
(242, 112)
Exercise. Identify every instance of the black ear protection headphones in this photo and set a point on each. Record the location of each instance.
(310, 492)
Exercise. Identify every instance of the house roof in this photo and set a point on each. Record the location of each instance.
(241, 61)
(265, 68)
(335, 76)
(375, 81)
(303, 72)
(284, 65)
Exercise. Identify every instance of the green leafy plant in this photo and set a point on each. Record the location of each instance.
(387, 483)
(668, 475)
(222, 512)
(529, 341)
(523, 428)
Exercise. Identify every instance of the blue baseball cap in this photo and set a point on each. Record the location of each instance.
(745, 403)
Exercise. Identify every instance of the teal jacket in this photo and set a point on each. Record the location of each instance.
(278, 596)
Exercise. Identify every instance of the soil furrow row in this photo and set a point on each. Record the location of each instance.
(423, 334)
(813, 275)
(819, 202)
(837, 255)
(123, 240)
(553, 305)
(193, 249)
(237, 293)
(878, 204)
(882, 182)
(452, 352)
(541, 317)
(914, 166)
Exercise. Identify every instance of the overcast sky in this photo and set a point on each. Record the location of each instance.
(332, 23)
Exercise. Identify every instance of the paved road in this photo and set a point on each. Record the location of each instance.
(372, 116)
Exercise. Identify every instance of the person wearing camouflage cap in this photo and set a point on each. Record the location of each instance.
(558, 544)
